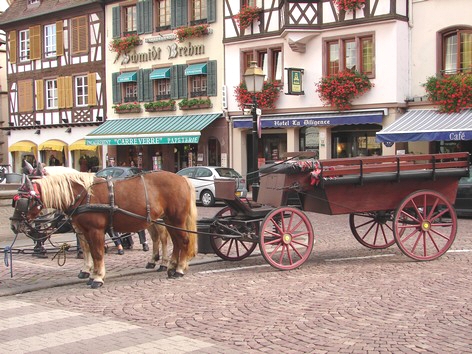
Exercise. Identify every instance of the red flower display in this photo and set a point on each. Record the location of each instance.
(349, 5)
(193, 31)
(340, 89)
(247, 15)
(124, 44)
(265, 99)
(451, 92)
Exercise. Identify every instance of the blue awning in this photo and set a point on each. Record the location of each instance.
(196, 69)
(310, 120)
(127, 77)
(428, 125)
(159, 74)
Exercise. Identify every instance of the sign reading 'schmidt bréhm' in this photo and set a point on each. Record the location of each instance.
(155, 53)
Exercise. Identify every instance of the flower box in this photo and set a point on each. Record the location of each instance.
(158, 106)
(198, 106)
(451, 93)
(131, 110)
(195, 103)
(159, 109)
(183, 33)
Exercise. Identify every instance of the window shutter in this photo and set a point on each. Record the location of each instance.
(144, 15)
(35, 42)
(211, 11)
(79, 35)
(92, 89)
(69, 97)
(147, 86)
(139, 83)
(116, 88)
(59, 38)
(12, 48)
(183, 90)
(116, 22)
(61, 94)
(25, 95)
(212, 79)
(39, 95)
(179, 13)
(174, 83)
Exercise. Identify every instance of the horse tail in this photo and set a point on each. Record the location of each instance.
(191, 222)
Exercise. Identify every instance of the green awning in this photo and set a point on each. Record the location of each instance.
(152, 130)
(127, 77)
(158, 74)
(196, 69)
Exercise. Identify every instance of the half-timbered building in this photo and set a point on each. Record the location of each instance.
(56, 80)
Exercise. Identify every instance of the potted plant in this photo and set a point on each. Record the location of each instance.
(247, 15)
(450, 93)
(349, 5)
(160, 106)
(127, 107)
(265, 99)
(192, 31)
(124, 44)
(338, 90)
(195, 103)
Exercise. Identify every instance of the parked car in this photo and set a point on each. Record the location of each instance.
(463, 204)
(203, 177)
(118, 172)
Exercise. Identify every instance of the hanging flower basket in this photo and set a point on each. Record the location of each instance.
(265, 99)
(247, 15)
(158, 106)
(124, 44)
(451, 92)
(127, 108)
(349, 5)
(340, 89)
(183, 33)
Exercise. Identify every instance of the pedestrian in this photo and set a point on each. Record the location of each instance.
(53, 161)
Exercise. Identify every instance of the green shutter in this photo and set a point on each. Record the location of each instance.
(140, 84)
(116, 22)
(144, 15)
(212, 82)
(179, 13)
(211, 11)
(116, 88)
(147, 86)
(178, 82)
(183, 90)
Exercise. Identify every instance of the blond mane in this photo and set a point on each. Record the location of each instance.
(57, 192)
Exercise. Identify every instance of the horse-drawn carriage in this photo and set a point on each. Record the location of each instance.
(407, 200)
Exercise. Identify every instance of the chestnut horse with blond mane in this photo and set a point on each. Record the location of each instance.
(96, 205)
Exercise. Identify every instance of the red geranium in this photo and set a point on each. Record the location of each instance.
(349, 5)
(451, 92)
(265, 99)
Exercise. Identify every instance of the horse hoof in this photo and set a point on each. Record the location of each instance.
(175, 275)
(161, 269)
(90, 281)
(83, 275)
(150, 265)
(96, 285)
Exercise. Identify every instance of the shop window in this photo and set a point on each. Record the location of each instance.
(310, 140)
(456, 48)
(355, 53)
(163, 15)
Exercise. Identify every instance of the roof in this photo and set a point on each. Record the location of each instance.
(428, 125)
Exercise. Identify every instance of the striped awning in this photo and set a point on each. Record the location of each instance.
(196, 69)
(22, 146)
(152, 130)
(428, 125)
(159, 74)
(81, 145)
(127, 77)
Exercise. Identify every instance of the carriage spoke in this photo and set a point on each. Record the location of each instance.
(373, 232)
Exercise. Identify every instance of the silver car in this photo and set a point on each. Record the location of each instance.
(203, 178)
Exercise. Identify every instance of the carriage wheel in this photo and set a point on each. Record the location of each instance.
(373, 229)
(231, 249)
(425, 225)
(286, 238)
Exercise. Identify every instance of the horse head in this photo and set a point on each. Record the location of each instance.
(27, 204)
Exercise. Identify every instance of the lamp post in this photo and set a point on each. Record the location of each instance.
(254, 79)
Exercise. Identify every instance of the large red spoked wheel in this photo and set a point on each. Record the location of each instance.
(232, 249)
(286, 238)
(373, 229)
(425, 225)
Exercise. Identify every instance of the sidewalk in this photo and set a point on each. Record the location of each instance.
(31, 273)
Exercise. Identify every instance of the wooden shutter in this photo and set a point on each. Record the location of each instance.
(12, 47)
(92, 89)
(59, 38)
(35, 42)
(39, 95)
(116, 88)
(212, 80)
(211, 11)
(61, 93)
(69, 96)
(179, 13)
(144, 14)
(79, 35)
(116, 22)
(25, 96)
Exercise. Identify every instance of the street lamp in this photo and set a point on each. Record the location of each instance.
(254, 79)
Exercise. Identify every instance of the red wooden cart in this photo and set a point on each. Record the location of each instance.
(403, 199)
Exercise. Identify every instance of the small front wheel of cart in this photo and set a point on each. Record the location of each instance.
(286, 238)
(425, 225)
(373, 229)
(231, 249)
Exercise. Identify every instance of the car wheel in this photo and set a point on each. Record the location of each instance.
(207, 198)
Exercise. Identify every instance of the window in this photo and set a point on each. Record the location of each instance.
(131, 91)
(50, 41)
(350, 54)
(269, 60)
(24, 45)
(457, 51)
(130, 19)
(81, 91)
(163, 15)
(198, 85)
(163, 89)
(199, 10)
(51, 94)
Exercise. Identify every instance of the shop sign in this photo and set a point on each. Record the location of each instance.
(155, 53)
(156, 140)
(295, 81)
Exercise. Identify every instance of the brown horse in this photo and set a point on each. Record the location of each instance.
(159, 237)
(129, 205)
